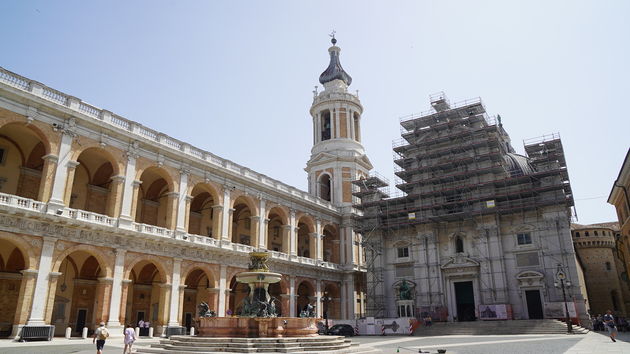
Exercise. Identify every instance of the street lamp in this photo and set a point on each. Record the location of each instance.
(564, 284)
(326, 299)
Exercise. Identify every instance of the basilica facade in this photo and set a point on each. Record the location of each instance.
(104, 219)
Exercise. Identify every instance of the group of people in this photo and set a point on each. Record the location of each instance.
(102, 333)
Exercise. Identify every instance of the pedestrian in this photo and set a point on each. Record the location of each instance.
(100, 335)
(609, 320)
(130, 337)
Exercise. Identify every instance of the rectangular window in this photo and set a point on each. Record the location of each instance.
(524, 239)
(403, 252)
(527, 259)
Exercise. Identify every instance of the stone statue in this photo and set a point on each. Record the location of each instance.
(273, 312)
(404, 291)
(204, 310)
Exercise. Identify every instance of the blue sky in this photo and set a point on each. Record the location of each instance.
(236, 77)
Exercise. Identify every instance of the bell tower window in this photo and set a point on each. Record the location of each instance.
(324, 187)
(459, 245)
(325, 128)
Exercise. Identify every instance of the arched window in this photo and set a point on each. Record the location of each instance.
(459, 245)
(325, 128)
(324, 187)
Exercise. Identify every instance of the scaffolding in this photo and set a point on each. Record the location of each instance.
(456, 163)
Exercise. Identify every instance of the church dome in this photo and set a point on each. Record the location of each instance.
(518, 165)
(334, 71)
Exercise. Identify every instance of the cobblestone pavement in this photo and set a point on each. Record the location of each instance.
(513, 344)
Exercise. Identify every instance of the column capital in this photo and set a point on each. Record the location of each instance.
(189, 198)
(72, 164)
(51, 158)
(105, 280)
(185, 171)
(120, 251)
(118, 179)
(218, 206)
(29, 272)
(136, 183)
(313, 234)
(164, 285)
(172, 195)
(53, 275)
(183, 287)
(126, 281)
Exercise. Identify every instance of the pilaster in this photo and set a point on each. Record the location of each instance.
(41, 284)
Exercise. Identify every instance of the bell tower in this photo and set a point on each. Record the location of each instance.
(337, 156)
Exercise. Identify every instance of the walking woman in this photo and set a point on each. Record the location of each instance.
(130, 337)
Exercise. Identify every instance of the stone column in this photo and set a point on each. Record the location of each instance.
(292, 296)
(72, 167)
(344, 300)
(285, 304)
(312, 245)
(226, 222)
(52, 289)
(41, 284)
(217, 218)
(254, 231)
(114, 199)
(262, 227)
(115, 302)
(48, 175)
(124, 291)
(265, 234)
(222, 290)
(183, 207)
(27, 285)
(103, 295)
(56, 201)
(342, 249)
(294, 236)
(173, 320)
(129, 193)
(163, 307)
(171, 210)
(319, 254)
(230, 225)
(286, 238)
(350, 299)
(180, 312)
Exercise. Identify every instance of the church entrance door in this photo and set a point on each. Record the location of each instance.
(534, 306)
(465, 300)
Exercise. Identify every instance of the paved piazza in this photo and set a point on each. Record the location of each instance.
(513, 344)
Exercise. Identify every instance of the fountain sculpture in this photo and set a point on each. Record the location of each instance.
(258, 315)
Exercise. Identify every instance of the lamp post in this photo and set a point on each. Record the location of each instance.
(563, 283)
(326, 299)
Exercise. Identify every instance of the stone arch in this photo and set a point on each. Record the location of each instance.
(305, 291)
(92, 187)
(165, 277)
(201, 212)
(156, 197)
(277, 232)
(244, 231)
(22, 166)
(238, 292)
(332, 291)
(306, 226)
(331, 243)
(79, 290)
(27, 250)
(201, 286)
(89, 249)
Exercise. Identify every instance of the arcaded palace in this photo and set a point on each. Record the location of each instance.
(104, 219)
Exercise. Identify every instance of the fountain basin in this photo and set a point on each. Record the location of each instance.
(252, 327)
(258, 277)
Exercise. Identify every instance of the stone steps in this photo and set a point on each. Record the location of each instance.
(497, 327)
(202, 345)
